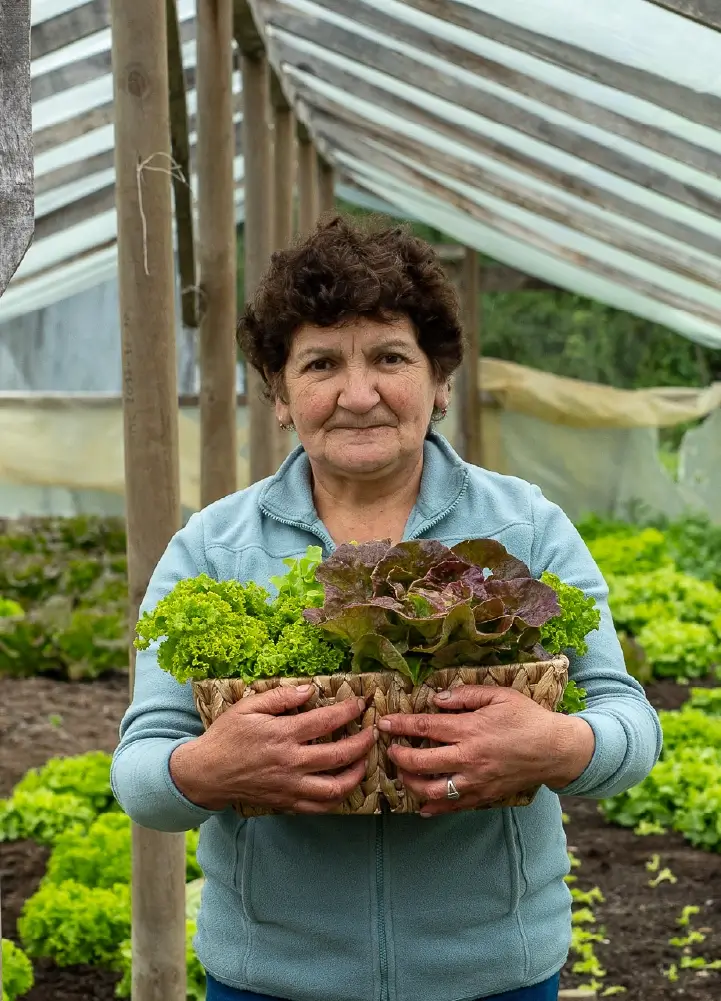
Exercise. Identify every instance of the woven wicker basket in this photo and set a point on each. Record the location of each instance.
(386, 693)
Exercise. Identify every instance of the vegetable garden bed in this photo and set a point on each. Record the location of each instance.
(638, 933)
(61, 718)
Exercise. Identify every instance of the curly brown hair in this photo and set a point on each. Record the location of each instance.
(344, 270)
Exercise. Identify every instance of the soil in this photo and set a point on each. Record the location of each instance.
(41, 718)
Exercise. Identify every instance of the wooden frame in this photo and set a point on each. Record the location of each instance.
(706, 12)
(406, 70)
(547, 206)
(70, 26)
(217, 254)
(705, 109)
(656, 139)
(286, 53)
(258, 218)
(343, 138)
(147, 312)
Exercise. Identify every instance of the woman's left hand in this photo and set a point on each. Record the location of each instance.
(497, 743)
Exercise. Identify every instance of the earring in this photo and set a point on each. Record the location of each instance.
(286, 427)
(438, 415)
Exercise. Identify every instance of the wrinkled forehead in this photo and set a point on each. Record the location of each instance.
(360, 335)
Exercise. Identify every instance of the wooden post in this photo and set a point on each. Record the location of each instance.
(147, 321)
(470, 408)
(283, 184)
(283, 167)
(258, 242)
(326, 186)
(307, 182)
(217, 251)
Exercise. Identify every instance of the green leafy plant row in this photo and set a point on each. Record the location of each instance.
(692, 544)
(80, 913)
(669, 621)
(63, 793)
(683, 792)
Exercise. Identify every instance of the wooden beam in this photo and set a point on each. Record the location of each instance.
(70, 26)
(326, 185)
(60, 399)
(344, 139)
(147, 321)
(246, 32)
(470, 402)
(485, 68)
(706, 12)
(217, 257)
(180, 150)
(407, 111)
(80, 125)
(449, 88)
(78, 169)
(103, 200)
(307, 182)
(685, 264)
(258, 242)
(702, 108)
(82, 71)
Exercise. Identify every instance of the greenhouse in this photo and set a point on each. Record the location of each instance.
(562, 164)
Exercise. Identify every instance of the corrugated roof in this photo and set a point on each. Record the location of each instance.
(579, 143)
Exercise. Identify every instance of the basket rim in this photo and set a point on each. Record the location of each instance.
(559, 660)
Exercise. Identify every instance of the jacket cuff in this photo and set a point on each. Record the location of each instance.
(603, 770)
(156, 803)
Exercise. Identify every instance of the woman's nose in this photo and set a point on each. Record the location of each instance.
(359, 392)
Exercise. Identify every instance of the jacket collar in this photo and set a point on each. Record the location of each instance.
(287, 496)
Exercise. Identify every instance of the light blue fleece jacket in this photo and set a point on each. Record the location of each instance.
(385, 908)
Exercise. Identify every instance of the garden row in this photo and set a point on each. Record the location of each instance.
(80, 914)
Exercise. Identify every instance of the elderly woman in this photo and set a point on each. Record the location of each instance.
(356, 335)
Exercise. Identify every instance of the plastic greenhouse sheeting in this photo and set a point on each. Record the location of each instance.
(567, 140)
(589, 447)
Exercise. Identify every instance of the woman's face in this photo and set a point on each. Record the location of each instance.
(360, 395)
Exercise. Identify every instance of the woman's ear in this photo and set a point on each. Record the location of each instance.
(282, 411)
(443, 396)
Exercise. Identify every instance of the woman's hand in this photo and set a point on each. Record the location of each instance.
(253, 754)
(502, 744)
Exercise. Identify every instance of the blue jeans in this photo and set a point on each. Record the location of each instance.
(547, 991)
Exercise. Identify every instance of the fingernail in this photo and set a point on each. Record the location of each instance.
(442, 697)
(384, 724)
(303, 689)
(361, 704)
(375, 733)
(425, 815)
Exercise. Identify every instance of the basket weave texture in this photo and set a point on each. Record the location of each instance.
(385, 693)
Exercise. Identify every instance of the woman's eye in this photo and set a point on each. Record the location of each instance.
(393, 359)
(319, 365)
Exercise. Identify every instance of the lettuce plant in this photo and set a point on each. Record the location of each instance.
(17, 972)
(413, 608)
(74, 924)
(418, 606)
(100, 855)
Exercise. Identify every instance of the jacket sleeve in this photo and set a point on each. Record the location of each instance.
(162, 713)
(625, 725)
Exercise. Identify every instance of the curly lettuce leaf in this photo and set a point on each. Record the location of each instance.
(418, 605)
(578, 617)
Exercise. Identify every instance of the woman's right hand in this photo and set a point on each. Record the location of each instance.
(253, 754)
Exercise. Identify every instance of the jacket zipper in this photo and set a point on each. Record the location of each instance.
(379, 842)
(380, 894)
